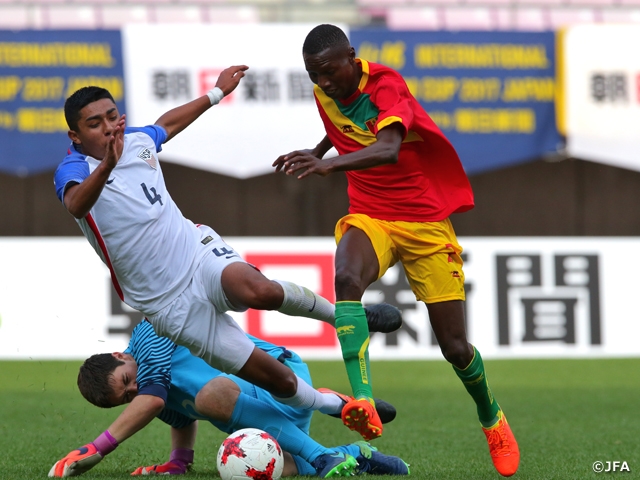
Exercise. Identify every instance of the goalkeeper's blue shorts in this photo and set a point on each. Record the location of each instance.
(190, 373)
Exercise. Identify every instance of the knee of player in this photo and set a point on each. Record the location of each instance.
(265, 295)
(458, 353)
(285, 385)
(217, 399)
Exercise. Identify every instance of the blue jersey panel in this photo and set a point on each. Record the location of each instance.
(156, 132)
(153, 356)
(73, 168)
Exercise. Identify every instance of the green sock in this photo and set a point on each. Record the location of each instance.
(353, 333)
(475, 381)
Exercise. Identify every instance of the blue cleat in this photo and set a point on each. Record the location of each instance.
(373, 462)
(335, 464)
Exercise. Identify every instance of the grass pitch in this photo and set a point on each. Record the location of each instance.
(566, 415)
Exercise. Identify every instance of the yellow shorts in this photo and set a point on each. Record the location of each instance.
(428, 251)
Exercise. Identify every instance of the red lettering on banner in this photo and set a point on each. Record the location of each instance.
(207, 79)
(327, 336)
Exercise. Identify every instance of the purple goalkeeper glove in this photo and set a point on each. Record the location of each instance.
(178, 464)
(84, 458)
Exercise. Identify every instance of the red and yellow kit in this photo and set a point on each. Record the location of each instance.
(427, 184)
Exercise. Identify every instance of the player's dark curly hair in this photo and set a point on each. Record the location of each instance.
(94, 378)
(80, 99)
(323, 37)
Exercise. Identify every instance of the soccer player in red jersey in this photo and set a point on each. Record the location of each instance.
(405, 180)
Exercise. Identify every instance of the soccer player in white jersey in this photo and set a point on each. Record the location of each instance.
(181, 276)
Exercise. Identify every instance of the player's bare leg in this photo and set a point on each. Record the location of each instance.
(356, 268)
(246, 287)
(284, 385)
(447, 321)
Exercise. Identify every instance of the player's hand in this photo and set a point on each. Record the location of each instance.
(230, 78)
(115, 145)
(76, 462)
(301, 160)
(169, 468)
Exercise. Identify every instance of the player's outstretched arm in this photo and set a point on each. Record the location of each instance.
(137, 415)
(80, 198)
(383, 151)
(318, 152)
(182, 443)
(179, 118)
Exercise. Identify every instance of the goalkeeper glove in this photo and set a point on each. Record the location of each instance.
(84, 458)
(178, 464)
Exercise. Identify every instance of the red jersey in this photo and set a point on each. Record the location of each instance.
(427, 184)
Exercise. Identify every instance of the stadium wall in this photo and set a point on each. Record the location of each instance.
(526, 297)
(571, 197)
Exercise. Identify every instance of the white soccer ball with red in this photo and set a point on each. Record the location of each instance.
(250, 454)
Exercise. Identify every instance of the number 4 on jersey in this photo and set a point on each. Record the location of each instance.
(155, 198)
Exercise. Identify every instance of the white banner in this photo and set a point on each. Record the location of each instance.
(272, 112)
(602, 89)
(526, 298)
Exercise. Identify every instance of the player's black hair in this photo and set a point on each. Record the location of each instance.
(80, 99)
(95, 376)
(323, 37)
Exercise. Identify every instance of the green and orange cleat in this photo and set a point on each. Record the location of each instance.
(386, 411)
(335, 464)
(503, 446)
(361, 416)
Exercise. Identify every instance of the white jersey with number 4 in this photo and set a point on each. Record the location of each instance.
(135, 226)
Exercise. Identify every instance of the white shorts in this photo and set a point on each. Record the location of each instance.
(197, 318)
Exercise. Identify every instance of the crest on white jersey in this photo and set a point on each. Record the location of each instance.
(149, 158)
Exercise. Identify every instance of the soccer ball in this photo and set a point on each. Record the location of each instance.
(250, 454)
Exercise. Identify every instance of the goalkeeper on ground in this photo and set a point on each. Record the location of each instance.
(157, 378)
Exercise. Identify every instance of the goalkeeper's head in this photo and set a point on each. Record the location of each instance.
(108, 379)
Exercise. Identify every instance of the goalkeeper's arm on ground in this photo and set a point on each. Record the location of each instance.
(137, 415)
(182, 443)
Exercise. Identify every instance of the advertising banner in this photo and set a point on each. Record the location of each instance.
(38, 71)
(602, 93)
(491, 93)
(272, 112)
(526, 298)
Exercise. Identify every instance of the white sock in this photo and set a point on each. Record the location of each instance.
(308, 398)
(333, 404)
(302, 302)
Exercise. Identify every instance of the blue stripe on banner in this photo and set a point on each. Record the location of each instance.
(491, 93)
(38, 71)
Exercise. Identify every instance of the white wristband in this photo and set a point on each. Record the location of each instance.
(215, 95)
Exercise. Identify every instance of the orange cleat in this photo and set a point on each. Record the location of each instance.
(386, 411)
(361, 416)
(503, 446)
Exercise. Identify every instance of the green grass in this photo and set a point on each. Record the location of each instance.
(566, 414)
